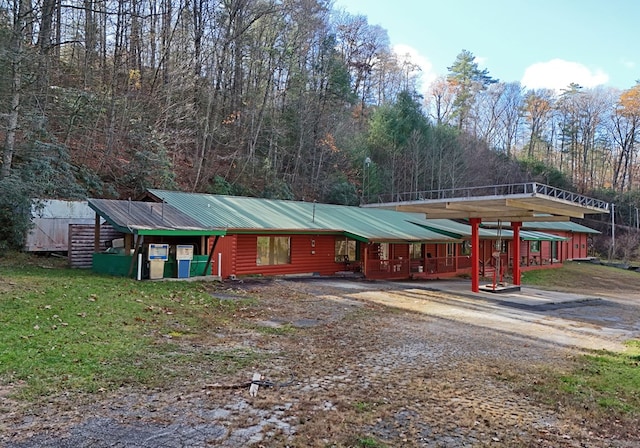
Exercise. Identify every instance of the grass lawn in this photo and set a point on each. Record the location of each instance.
(609, 380)
(580, 276)
(66, 329)
(605, 380)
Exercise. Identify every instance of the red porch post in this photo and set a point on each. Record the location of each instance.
(365, 260)
(475, 254)
(516, 252)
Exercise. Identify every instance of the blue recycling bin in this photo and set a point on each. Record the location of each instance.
(184, 255)
(184, 268)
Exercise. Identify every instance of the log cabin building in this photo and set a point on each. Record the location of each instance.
(234, 237)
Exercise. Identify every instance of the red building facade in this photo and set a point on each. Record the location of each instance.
(257, 255)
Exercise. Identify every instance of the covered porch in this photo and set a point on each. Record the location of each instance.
(513, 202)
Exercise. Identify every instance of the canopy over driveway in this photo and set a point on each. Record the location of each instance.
(513, 202)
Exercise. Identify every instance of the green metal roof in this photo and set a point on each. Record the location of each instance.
(453, 228)
(463, 230)
(565, 226)
(243, 214)
(530, 235)
(182, 214)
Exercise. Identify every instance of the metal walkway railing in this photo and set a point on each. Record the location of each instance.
(527, 189)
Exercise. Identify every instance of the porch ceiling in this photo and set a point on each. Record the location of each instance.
(516, 202)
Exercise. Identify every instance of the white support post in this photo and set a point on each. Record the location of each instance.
(613, 229)
(139, 275)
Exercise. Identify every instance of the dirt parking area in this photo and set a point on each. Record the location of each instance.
(362, 364)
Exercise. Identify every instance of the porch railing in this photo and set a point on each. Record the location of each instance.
(404, 268)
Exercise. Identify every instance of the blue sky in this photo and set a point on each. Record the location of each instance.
(541, 43)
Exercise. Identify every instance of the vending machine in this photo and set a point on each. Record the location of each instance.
(157, 255)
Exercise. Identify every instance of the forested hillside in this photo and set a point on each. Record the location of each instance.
(277, 98)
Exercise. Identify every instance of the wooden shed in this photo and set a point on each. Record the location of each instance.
(51, 219)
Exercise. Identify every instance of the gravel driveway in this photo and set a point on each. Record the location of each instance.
(398, 364)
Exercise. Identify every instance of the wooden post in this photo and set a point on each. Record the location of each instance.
(365, 260)
(128, 242)
(475, 254)
(138, 244)
(516, 252)
(96, 234)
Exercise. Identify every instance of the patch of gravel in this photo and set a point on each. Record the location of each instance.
(153, 419)
(361, 370)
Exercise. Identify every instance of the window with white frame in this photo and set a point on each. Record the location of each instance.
(451, 253)
(451, 250)
(415, 251)
(345, 250)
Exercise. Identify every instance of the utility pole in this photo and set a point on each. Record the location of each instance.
(613, 230)
(365, 172)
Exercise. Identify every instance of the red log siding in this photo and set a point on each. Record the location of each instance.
(578, 246)
(316, 254)
(431, 249)
(566, 245)
(486, 250)
(226, 247)
(529, 257)
(430, 255)
(545, 251)
(400, 251)
(309, 254)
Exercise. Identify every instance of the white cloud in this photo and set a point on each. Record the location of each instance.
(628, 63)
(481, 61)
(410, 54)
(557, 74)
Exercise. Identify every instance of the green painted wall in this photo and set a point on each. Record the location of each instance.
(113, 264)
(118, 265)
(197, 266)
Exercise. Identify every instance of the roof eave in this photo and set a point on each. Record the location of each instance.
(179, 232)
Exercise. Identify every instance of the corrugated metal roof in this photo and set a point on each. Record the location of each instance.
(462, 230)
(567, 226)
(531, 235)
(455, 228)
(241, 214)
(55, 208)
(235, 214)
(146, 218)
(379, 224)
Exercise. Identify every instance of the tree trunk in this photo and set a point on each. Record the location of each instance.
(17, 38)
